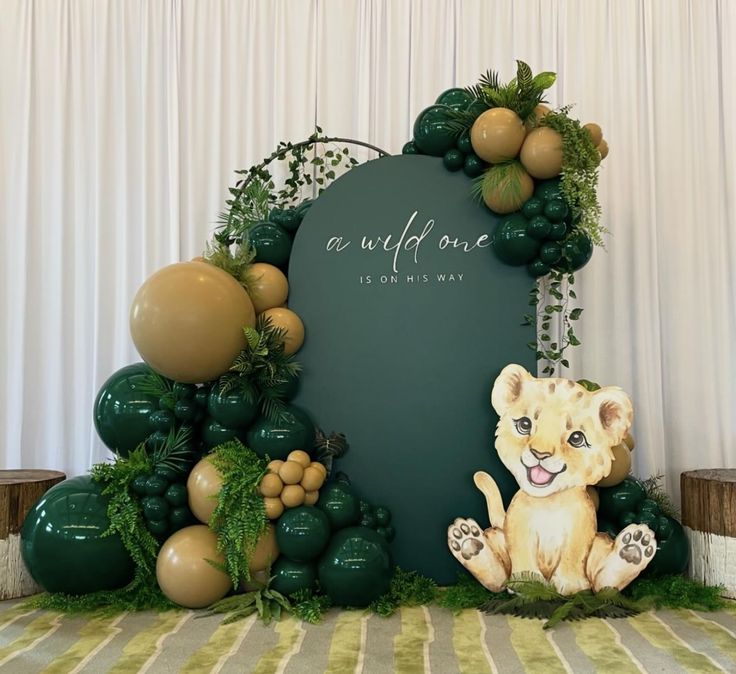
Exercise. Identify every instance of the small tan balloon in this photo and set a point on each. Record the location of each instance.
(203, 486)
(497, 135)
(268, 287)
(620, 467)
(595, 132)
(291, 472)
(311, 497)
(292, 325)
(275, 465)
(266, 551)
(603, 149)
(293, 495)
(271, 485)
(313, 479)
(300, 456)
(274, 507)
(593, 493)
(319, 466)
(183, 572)
(541, 153)
(507, 192)
(540, 112)
(187, 321)
(629, 441)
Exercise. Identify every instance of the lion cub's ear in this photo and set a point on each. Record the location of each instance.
(615, 412)
(507, 387)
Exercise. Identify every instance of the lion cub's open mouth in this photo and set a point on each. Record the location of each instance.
(540, 477)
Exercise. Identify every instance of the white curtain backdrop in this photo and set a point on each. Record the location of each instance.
(121, 123)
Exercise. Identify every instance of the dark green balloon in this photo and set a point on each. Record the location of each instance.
(463, 144)
(409, 148)
(511, 242)
(625, 497)
(538, 227)
(290, 576)
(556, 210)
(577, 249)
(537, 268)
(474, 166)
(302, 533)
(341, 505)
(453, 160)
(287, 389)
(532, 207)
(550, 252)
(457, 99)
(214, 433)
(557, 232)
(294, 430)
(356, 568)
(161, 420)
(476, 109)
(121, 409)
(271, 242)
(673, 552)
(232, 410)
(431, 134)
(548, 189)
(62, 541)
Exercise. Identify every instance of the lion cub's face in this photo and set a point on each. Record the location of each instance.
(553, 434)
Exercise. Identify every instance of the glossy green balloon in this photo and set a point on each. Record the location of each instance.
(271, 242)
(288, 389)
(548, 189)
(556, 210)
(341, 505)
(121, 410)
(457, 99)
(214, 433)
(474, 166)
(557, 232)
(550, 252)
(453, 160)
(625, 497)
(538, 226)
(673, 551)
(537, 268)
(577, 249)
(511, 242)
(409, 148)
(463, 144)
(302, 533)
(277, 438)
(431, 134)
(533, 207)
(232, 410)
(476, 109)
(63, 545)
(290, 576)
(356, 567)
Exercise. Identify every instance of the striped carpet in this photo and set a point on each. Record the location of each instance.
(416, 640)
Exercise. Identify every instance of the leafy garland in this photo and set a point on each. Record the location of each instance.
(239, 519)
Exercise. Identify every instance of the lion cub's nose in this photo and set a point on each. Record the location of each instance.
(539, 455)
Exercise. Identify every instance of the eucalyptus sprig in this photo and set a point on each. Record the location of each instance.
(262, 600)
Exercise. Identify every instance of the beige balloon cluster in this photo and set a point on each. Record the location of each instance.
(499, 135)
(291, 483)
(269, 289)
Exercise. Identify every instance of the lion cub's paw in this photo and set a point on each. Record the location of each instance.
(636, 545)
(465, 539)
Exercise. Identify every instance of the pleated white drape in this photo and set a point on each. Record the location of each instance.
(121, 123)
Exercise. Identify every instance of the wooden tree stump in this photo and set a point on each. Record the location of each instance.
(709, 517)
(19, 490)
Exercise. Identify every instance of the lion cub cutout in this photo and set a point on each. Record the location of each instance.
(555, 437)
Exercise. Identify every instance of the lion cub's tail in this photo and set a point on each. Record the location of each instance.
(494, 503)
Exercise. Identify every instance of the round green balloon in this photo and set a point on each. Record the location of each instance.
(290, 576)
(294, 430)
(550, 252)
(577, 249)
(302, 533)
(556, 210)
(673, 552)
(271, 242)
(121, 409)
(232, 410)
(214, 433)
(457, 99)
(537, 268)
(453, 160)
(548, 189)
(533, 207)
(63, 542)
(511, 242)
(431, 133)
(538, 227)
(288, 388)
(409, 148)
(341, 505)
(625, 497)
(464, 145)
(356, 567)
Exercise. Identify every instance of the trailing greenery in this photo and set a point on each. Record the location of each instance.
(656, 491)
(262, 600)
(309, 607)
(262, 368)
(408, 588)
(239, 519)
(466, 593)
(579, 184)
(235, 259)
(676, 592)
(550, 288)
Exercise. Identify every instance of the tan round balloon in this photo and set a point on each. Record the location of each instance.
(266, 552)
(268, 287)
(507, 192)
(603, 148)
(541, 153)
(187, 321)
(203, 486)
(595, 132)
(497, 135)
(183, 571)
(292, 325)
(620, 467)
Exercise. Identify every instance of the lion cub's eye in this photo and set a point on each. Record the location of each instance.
(578, 439)
(523, 425)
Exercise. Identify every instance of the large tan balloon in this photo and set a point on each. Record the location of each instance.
(187, 321)
(620, 467)
(203, 486)
(292, 325)
(268, 287)
(603, 149)
(183, 572)
(595, 132)
(266, 552)
(508, 192)
(497, 135)
(541, 153)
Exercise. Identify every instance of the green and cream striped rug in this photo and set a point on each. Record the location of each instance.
(416, 640)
